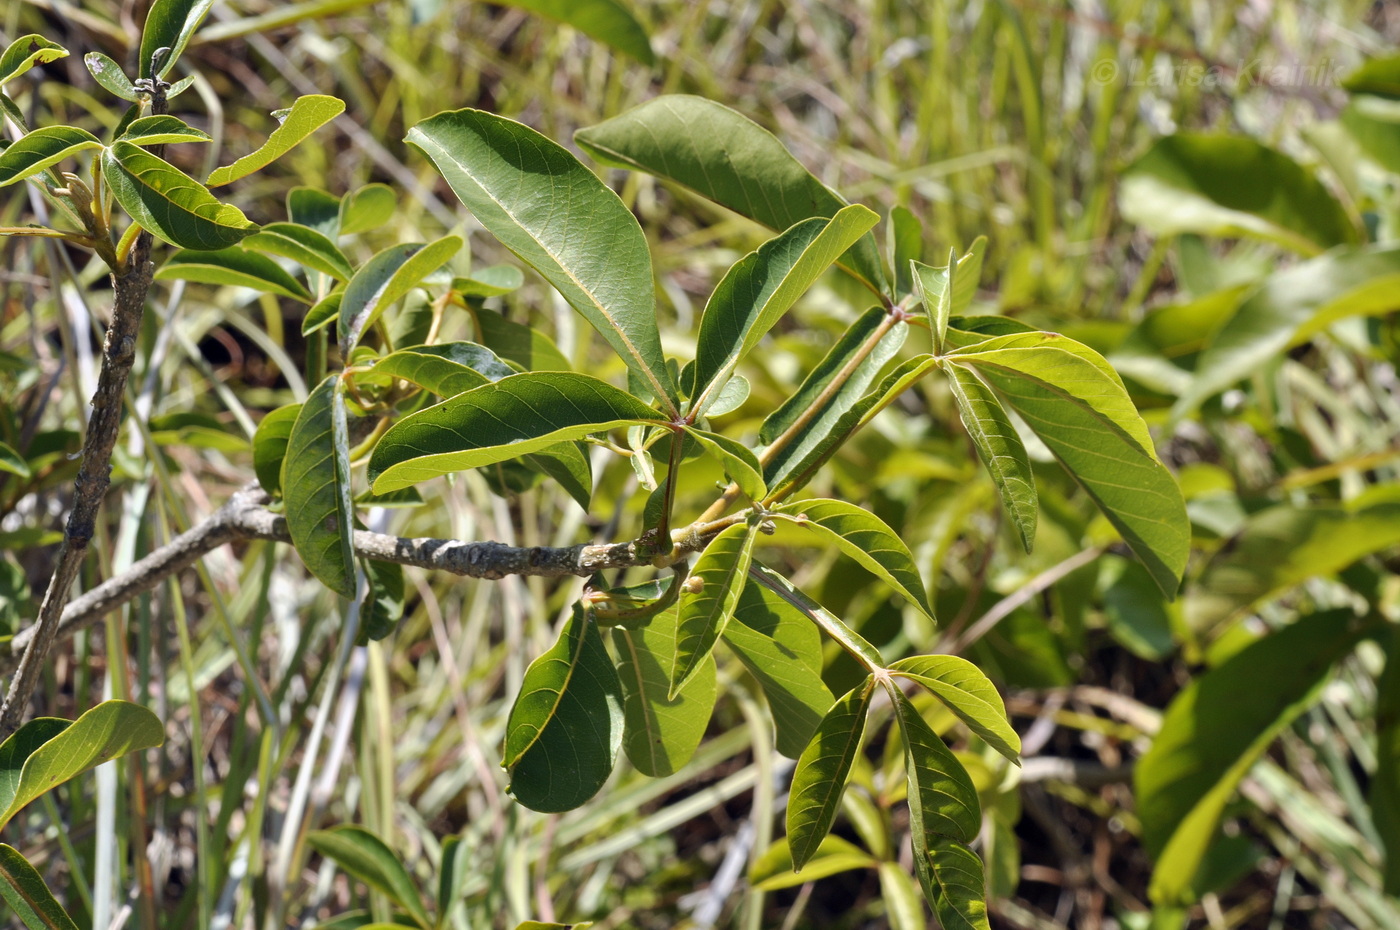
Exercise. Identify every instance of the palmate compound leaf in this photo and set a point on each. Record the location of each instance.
(1216, 729)
(566, 724)
(546, 207)
(726, 157)
(967, 693)
(384, 280)
(366, 857)
(661, 732)
(30, 900)
(316, 488)
(709, 597)
(499, 421)
(830, 624)
(306, 115)
(942, 799)
(761, 287)
(46, 752)
(1083, 414)
(173, 206)
(235, 267)
(41, 149)
(782, 649)
(822, 770)
(1000, 449)
(867, 539)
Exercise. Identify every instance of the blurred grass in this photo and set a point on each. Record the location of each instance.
(982, 117)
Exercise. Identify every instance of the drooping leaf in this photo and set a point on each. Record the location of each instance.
(1283, 546)
(1089, 423)
(1224, 185)
(384, 280)
(662, 733)
(367, 858)
(316, 488)
(1288, 307)
(867, 539)
(739, 462)
(29, 898)
(304, 245)
(709, 597)
(110, 75)
(1201, 752)
(366, 208)
(26, 52)
(959, 885)
(161, 130)
(608, 21)
(568, 464)
(45, 752)
(761, 287)
(726, 157)
(942, 799)
(822, 770)
(1000, 449)
(12, 462)
(40, 149)
(235, 267)
(171, 205)
(169, 24)
(306, 115)
(566, 724)
(270, 446)
(554, 213)
(447, 369)
(825, 620)
(498, 421)
(969, 694)
(773, 870)
(782, 649)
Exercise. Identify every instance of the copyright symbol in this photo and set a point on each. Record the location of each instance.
(1104, 72)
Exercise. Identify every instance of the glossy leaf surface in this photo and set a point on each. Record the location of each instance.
(1000, 448)
(942, 799)
(306, 115)
(171, 205)
(316, 488)
(662, 732)
(233, 267)
(41, 149)
(308, 247)
(820, 777)
(709, 597)
(386, 279)
(447, 369)
(161, 130)
(969, 694)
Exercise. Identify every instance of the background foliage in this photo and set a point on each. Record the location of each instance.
(1265, 371)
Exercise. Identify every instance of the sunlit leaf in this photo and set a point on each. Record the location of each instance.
(12, 462)
(386, 279)
(773, 870)
(662, 732)
(304, 245)
(161, 130)
(490, 282)
(307, 114)
(958, 884)
(1000, 449)
(366, 208)
(969, 694)
(822, 770)
(171, 205)
(447, 369)
(739, 462)
(26, 52)
(709, 597)
(824, 619)
(169, 24)
(234, 267)
(366, 857)
(942, 799)
(110, 75)
(42, 148)
(316, 488)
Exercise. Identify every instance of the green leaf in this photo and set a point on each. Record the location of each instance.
(171, 205)
(110, 75)
(26, 52)
(527, 347)
(608, 21)
(315, 208)
(270, 446)
(958, 885)
(731, 396)
(967, 693)
(23, 889)
(42, 148)
(160, 130)
(934, 289)
(554, 213)
(1088, 422)
(739, 462)
(367, 858)
(386, 279)
(1000, 449)
(308, 247)
(383, 606)
(822, 770)
(1216, 729)
(942, 799)
(323, 313)
(570, 467)
(367, 208)
(307, 114)
(1225, 185)
(452, 876)
(1288, 307)
(447, 369)
(761, 287)
(904, 236)
(709, 597)
(1283, 546)
(782, 649)
(234, 267)
(726, 157)
(45, 752)
(662, 732)
(498, 421)
(492, 281)
(316, 488)
(566, 724)
(12, 462)
(867, 539)
(169, 24)
(1384, 795)
(824, 619)
(773, 870)
(543, 925)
